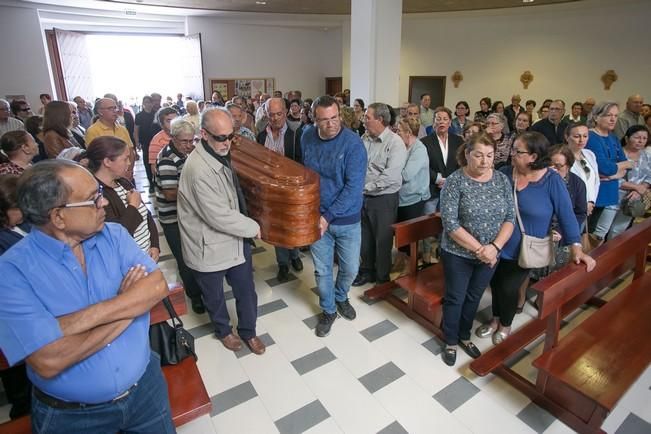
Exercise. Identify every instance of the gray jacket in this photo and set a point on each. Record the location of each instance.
(211, 225)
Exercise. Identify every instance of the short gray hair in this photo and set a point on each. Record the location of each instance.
(232, 105)
(40, 189)
(4, 102)
(382, 112)
(599, 110)
(211, 109)
(181, 126)
(499, 117)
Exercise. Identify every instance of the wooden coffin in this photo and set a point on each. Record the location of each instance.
(281, 194)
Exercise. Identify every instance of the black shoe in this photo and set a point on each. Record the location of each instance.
(470, 349)
(198, 306)
(346, 310)
(283, 273)
(362, 279)
(297, 264)
(325, 323)
(449, 356)
(151, 188)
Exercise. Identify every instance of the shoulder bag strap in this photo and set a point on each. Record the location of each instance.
(515, 200)
(170, 309)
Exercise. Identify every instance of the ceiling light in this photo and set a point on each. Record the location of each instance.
(528, 1)
(261, 3)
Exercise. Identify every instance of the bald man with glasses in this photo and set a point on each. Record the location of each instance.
(216, 231)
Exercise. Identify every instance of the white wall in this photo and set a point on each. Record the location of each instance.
(567, 47)
(298, 58)
(23, 65)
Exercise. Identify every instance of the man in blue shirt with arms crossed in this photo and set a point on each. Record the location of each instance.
(339, 157)
(76, 298)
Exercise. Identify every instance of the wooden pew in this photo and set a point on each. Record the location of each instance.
(582, 376)
(186, 391)
(424, 287)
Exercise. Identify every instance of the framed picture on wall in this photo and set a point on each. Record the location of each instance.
(220, 86)
(243, 88)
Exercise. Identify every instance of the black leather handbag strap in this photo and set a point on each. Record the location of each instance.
(173, 315)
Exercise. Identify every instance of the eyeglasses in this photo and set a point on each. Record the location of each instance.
(441, 120)
(492, 124)
(334, 120)
(558, 166)
(112, 108)
(515, 151)
(585, 167)
(194, 141)
(96, 202)
(276, 115)
(220, 138)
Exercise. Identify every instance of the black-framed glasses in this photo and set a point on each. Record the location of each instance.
(192, 141)
(519, 152)
(96, 201)
(220, 138)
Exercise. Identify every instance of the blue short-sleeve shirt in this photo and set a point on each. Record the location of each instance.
(41, 280)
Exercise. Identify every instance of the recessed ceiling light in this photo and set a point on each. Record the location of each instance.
(261, 3)
(528, 1)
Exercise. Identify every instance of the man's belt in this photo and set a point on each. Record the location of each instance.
(66, 405)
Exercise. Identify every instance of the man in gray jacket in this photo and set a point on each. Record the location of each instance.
(216, 232)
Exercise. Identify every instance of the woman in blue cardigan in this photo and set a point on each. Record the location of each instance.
(540, 194)
(612, 164)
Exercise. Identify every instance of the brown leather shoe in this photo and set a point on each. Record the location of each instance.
(232, 342)
(256, 345)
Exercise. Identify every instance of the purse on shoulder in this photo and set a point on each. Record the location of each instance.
(534, 252)
(172, 342)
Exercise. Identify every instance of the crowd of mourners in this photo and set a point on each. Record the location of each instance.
(578, 174)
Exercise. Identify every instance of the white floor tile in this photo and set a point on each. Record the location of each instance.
(203, 425)
(483, 414)
(249, 417)
(219, 368)
(353, 350)
(499, 391)
(278, 384)
(353, 408)
(416, 410)
(294, 339)
(328, 426)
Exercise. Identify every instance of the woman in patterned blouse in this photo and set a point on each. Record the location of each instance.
(19, 148)
(478, 216)
(496, 125)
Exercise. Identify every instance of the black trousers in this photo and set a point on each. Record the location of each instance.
(505, 284)
(173, 237)
(240, 278)
(146, 162)
(18, 389)
(378, 214)
(409, 212)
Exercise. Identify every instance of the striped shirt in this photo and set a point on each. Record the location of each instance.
(168, 172)
(141, 234)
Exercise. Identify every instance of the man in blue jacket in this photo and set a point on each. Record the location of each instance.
(339, 157)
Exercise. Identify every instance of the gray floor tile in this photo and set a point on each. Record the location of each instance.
(433, 345)
(302, 419)
(378, 330)
(313, 360)
(394, 428)
(312, 321)
(515, 359)
(369, 301)
(456, 394)
(270, 307)
(265, 338)
(401, 293)
(202, 330)
(634, 424)
(380, 377)
(232, 397)
(258, 249)
(537, 418)
(274, 282)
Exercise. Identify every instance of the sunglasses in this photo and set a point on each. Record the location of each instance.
(585, 167)
(220, 138)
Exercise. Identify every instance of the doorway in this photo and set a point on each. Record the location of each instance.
(432, 84)
(333, 85)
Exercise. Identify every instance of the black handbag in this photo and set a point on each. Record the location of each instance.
(172, 342)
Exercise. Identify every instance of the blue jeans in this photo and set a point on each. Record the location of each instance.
(345, 241)
(283, 255)
(465, 282)
(145, 410)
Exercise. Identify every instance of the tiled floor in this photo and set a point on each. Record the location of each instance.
(381, 373)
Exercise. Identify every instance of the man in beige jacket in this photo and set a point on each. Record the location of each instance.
(216, 232)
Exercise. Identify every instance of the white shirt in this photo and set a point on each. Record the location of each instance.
(591, 178)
